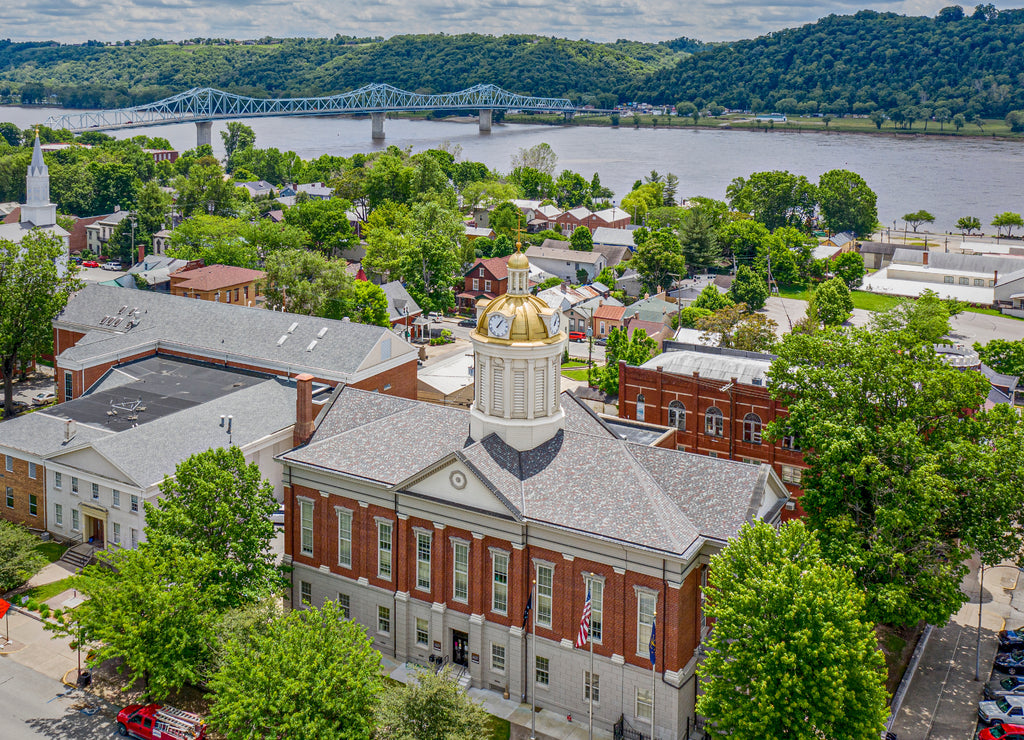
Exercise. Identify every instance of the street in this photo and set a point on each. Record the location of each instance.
(36, 706)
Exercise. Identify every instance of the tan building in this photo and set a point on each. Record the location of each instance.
(220, 283)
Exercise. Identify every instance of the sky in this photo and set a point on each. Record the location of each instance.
(75, 21)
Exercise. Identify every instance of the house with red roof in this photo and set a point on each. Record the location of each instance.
(606, 318)
(487, 278)
(220, 283)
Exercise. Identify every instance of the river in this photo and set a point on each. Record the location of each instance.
(950, 178)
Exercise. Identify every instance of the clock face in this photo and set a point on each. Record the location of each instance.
(555, 323)
(497, 326)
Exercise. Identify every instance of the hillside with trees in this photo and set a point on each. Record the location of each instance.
(969, 63)
(95, 75)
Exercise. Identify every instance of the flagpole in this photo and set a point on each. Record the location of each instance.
(654, 675)
(533, 672)
(590, 639)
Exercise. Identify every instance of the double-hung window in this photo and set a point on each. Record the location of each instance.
(384, 620)
(58, 514)
(10, 497)
(135, 502)
(543, 667)
(116, 498)
(75, 520)
(33, 505)
(422, 632)
(95, 491)
(74, 485)
(591, 683)
(460, 575)
(384, 551)
(57, 481)
(344, 604)
(596, 609)
(646, 605)
(306, 526)
(423, 560)
(545, 594)
(499, 583)
(497, 657)
(344, 538)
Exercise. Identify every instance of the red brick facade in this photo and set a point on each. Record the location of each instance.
(697, 395)
(678, 611)
(22, 497)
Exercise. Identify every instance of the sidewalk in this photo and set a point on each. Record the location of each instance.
(942, 701)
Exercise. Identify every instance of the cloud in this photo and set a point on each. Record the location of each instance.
(599, 20)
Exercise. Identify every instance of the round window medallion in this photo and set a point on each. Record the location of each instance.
(458, 479)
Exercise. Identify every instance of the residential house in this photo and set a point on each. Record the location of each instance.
(965, 277)
(448, 382)
(222, 283)
(156, 271)
(162, 155)
(480, 232)
(98, 233)
(629, 283)
(102, 327)
(566, 263)
(846, 241)
(652, 309)
(257, 189)
(315, 190)
(434, 527)
(718, 401)
(613, 219)
(487, 278)
(613, 255)
(402, 309)
(606, 318)
(606, 236)
(656, 330)
(1008, 294)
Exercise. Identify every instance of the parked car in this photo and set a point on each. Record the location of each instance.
(1012, 663)
(999, 730)
(43, 397)
(159, 721)
(467, 322)
(577, 336)
(1009, 686)
(1011, 639)
(90, 263)
(435, 317)
(112, 266)
(1006, 709)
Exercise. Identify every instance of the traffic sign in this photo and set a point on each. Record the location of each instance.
(590, 331)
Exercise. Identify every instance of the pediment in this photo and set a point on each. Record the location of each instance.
(453, 481)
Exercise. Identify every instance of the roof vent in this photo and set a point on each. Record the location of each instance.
(320, 334)
(293, 327)
(122, 309)
(346, 318)
(311, 345)
(282, 340)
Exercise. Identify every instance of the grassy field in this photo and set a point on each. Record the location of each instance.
(51, 550)
(500, 728)
(47, 590)
(569, 370)
(866, 301)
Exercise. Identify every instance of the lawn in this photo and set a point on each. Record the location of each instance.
(575, 374)
(866, 301)
(39, 594)
(51, 550)
(500, 728)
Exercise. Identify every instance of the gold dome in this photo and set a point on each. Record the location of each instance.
(528, 317)
(518, 260)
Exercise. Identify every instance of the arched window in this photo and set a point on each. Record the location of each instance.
(713, 422)
(752, 429)
(640, 407)
(677, 415)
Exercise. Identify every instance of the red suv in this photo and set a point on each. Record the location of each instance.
(577, 336)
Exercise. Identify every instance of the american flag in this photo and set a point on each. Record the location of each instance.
(583, 636)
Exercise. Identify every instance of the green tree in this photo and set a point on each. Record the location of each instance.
(326, 222)
(689, 316)
(363, 302)
(216, 504)
(215, 240)
(635, 350)
(237, 137)
(389, 178)
(433, 264)
(599, 191)
(750, 288)
(917, 218)
(488, 193)
(433, 707)
(877, 118)
(152, 210)
(792, 653)
(582, 240)
(388, 243)
(1015, 120)
(967, 224)
(847, 203)
(831, 304)
(658, 258)
(698, 238)
(156, 609)
(506, 219)
(959, 121)
(712, 300)
(775, 199)
(899, 489)
(849, 267)
(737, 328)
(1007, 220)
(535, 185)
(540, 157)
(303, 282)
(19, 558)
(743, 239)
(267, 237)
(571, 190)
(307, 675)
(10, 133)
(1003, 356)
(34, 288)
(606, 277)
(204, 191)
(926, 318)
(643, 199)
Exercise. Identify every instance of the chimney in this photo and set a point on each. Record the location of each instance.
(995, 277)
(304, 427)
(142, 253)
(924, 257)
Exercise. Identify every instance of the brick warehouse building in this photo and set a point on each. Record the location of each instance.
(718, 401)
(429, 524)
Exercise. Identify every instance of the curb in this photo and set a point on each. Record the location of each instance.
(908, 676)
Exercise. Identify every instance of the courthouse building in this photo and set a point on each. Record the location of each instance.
(430, 525)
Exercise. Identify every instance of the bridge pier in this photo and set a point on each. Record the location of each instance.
(485, 120)
(377, 120)
(569, 116)
(204, 133)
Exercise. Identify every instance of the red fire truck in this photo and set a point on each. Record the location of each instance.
(159, 722)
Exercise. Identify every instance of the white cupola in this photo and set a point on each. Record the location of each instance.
(517, 349)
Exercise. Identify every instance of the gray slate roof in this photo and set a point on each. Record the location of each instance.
(982, 263)
(399, 300)
(584, 479)
(219, 329)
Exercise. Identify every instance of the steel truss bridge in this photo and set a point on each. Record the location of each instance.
(202, 105)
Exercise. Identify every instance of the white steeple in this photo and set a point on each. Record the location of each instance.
(38, 210)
